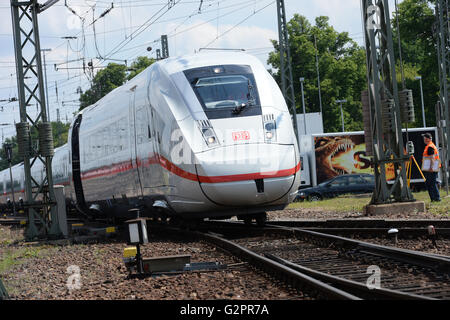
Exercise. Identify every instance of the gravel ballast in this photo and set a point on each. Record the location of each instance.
(321, 214)
(42, 272)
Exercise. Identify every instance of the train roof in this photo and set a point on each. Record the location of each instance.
(202, 59)
(178, 64)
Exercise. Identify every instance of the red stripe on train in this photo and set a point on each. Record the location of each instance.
(169, 166)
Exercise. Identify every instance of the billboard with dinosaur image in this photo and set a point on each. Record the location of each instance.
(340, 154)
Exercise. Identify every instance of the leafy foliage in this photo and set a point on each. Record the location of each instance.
(139, 65)
(416, 19)
(341, 66)
(106, 80)
(60, 133)
(113, 76)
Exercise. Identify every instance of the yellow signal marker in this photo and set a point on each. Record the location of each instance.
(130, 252)
(111, 230)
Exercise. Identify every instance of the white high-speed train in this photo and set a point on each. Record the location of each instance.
(205, 135)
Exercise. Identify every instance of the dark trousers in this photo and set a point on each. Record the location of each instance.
(431, 185)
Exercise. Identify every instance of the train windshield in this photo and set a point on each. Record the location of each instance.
(225, 91)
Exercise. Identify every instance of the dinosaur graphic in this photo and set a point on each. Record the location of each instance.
(334, 156)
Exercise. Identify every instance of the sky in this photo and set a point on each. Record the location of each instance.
(132, 26)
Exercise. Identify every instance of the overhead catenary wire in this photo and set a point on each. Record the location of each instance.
(239, 23)
(79, 47)
(141, 29)
(171, 34)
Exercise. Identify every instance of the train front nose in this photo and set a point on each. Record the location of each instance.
(247, 174)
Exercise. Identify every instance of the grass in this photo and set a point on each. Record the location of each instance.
(13, 257)
(356, 204)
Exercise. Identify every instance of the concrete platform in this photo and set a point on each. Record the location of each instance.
(397, 208)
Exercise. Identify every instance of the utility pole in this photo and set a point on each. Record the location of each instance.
(342, 113)
(8, 152)
(440, 123)
(287, 82)
(385, 105)
(318, 75)
(46, 86)
(423, 104)
(303, 104)
(443, 43)
(31, 91)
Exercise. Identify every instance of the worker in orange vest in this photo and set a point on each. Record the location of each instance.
(431, 152)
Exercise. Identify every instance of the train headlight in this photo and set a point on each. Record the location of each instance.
(211, 140)
(270, 128)
(209, 135)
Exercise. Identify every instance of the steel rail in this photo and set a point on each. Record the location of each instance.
(380, 232)
(293, 273)
(433, 262)
(350, 286)
(283, 273)
(362, 223)
(17, 221)
(436, 263)
(287, 274)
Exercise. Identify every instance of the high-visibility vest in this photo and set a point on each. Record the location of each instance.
(434, 158)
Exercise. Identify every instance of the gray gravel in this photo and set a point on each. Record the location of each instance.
(321, 214)
(40, 272)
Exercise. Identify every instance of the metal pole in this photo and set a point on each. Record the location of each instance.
(318, 75)
(443, 38)
(30, 84)
(46, 86)
(12, 189)
(342, 113)
(400, 46)
(287, 82)
(384, 102)
(423, 104)
(303, 103)
(8, 151)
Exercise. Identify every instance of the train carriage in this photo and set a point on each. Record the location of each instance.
(201, 136)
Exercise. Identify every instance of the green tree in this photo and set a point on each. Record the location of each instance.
(113, 76)
(60, 133)
(15, 153)
(139, 65)
(416, 19)
(341, 66)
(106, 80)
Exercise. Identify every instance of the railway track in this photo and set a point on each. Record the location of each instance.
(406, 230)
(334, 267)
(326, 266)
(14, 221)
(362, 223)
